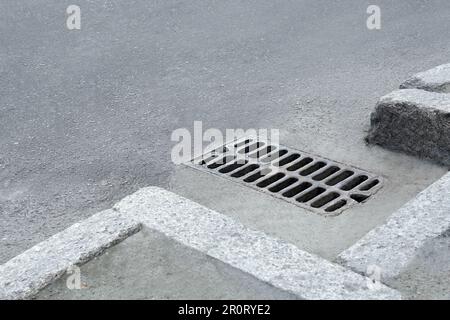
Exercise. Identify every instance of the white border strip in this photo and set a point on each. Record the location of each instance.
(27, 273)
(394, 245)
(276, 262)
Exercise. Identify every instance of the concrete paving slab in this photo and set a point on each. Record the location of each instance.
(394, 245)
(436, 80)
(413, 121)
(148, 265)
(32, 270)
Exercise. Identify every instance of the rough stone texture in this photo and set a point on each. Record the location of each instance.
(32, 270)
(280, 264)
(414, 121)
(428, 275)
(394, 245)
(436, 80)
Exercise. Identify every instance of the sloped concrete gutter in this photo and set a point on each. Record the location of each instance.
(273, 261)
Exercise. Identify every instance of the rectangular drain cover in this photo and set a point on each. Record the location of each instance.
(311, 182)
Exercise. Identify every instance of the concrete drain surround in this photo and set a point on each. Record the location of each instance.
(309, 181)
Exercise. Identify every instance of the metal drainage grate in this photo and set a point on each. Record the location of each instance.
(312, 182)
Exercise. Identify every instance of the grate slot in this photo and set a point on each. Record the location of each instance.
(339, 178)
(359, 197)
(251, 148)
(311, 194)
(336, 206)
(325, 199)
(326, 173)
(297, 189)
(300, 164)
(258, 154)
(270, 180)
(287, 160)
(274, 155)
(305, 180)
(245, 171)
(313, 168)
(260, 174)
(221, 162)
(354, 182)
(233, 166)
(369, 185)
(283, 184)
(207, 160)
